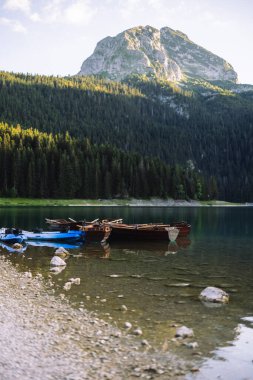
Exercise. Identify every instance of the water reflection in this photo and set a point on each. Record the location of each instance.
(233, 361)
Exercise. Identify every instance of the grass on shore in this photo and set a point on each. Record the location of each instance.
(34, 202)
(27, 202)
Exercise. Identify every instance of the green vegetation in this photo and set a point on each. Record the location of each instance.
(144, 122)
(34, 202)
(40, 165)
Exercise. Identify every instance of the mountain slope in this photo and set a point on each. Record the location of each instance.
(164, 54)
(212, 133)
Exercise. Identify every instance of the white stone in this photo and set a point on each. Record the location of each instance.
(57, 270)
(213, 294)
(75, 281)
(28, 274)
(57, 261)
(184, 332)
(128, 325)
(60, 251)
(138, 331)
(67, 286)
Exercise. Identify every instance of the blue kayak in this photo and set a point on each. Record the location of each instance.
(11, 236)
(55, 235)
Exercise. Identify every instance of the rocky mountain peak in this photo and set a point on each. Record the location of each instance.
(166, 54)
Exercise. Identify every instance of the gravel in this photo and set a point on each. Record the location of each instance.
(42, 337)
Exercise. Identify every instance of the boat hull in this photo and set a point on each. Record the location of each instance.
(151, 234)
(11, 238)
(55, 236)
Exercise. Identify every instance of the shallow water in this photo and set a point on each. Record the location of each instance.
(159, 283)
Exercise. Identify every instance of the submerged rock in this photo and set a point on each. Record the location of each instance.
(128, 325)
(212, 294)
(75, 281)
(57, 261)
(184, 332)
(67, 286)
(137, 331)
(57, 270)
(61, 250)
(17, 246)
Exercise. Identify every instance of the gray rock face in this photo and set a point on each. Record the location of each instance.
(165, 54)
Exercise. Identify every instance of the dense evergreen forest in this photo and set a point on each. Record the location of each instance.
(36, 164)
(182, 128)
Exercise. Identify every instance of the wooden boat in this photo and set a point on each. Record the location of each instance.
(71, 235)
(11, 235)
(146, 231)
(95, 229)
(96, 232)
(72, 224)
(64, 224)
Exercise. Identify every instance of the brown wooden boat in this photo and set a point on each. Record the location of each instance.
(150, 231)
(63, 224)
(120, 231)
(72, 224)
(96, 232)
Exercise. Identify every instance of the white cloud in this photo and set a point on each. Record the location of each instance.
(14, 25)
(130, 7)
(24, 6)
(78, 12)
(18, 5)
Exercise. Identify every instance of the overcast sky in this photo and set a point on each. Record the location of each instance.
(55, 36)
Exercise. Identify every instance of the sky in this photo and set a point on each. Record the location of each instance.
(54, 37)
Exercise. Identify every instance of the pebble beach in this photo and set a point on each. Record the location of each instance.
(43, 337)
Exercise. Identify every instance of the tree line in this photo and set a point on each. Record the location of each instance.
(40, 165)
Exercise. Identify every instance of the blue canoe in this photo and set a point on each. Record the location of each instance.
(11, 236)
(55, 235)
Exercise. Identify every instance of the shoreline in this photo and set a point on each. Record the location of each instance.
(133, 202)
(43, 337)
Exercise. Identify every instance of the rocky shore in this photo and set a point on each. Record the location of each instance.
(43, 337)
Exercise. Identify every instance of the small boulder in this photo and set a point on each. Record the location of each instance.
(57, 261)
(28, 274)
(67, 286)
(212, 294)
(17, 246)
(137, 331)
(184, 332)
(61, 250)
(57, 270)
(75, 281)
(128, 325)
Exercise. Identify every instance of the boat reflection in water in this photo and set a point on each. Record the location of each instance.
(12, 248)
(161, 248)
(55, 245)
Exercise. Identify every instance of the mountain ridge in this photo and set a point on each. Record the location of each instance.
(164, 54)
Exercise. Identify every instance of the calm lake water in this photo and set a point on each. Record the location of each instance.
(160, 282)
